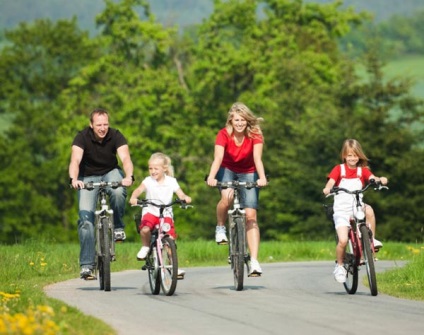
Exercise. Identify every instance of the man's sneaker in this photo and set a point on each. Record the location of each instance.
(119, 235)
(220, 235)
(377, 244)
(143, 253)
(255, 268)
(87, 274)
(181, 274)
(340, 273)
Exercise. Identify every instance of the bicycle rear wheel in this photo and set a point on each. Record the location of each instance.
(104, 258)
(169, 268)
(238, 244)
(351, 283)
(153, 269)
(369, 259)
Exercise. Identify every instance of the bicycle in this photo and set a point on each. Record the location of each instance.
(360, 248)
(104, 225)
(238, 255)
(162, 260)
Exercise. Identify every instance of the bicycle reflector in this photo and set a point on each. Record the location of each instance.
(360, 215)
(166, 227)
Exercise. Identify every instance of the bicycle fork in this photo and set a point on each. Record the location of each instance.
(234, 215)
(100, 219)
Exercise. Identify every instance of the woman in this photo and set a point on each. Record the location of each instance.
(238, 154)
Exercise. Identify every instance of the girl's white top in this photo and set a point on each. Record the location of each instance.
(161, 193)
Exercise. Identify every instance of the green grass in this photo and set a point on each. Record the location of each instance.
(25, 269)
(410, 66)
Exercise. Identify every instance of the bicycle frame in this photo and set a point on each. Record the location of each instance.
(104, 212)
(238, 253)
(360, 249)
(162, 260)
(104, 225)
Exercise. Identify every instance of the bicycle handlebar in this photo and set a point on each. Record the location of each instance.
(377, 187)
(145, 202)
(102, 184)
(235, 184)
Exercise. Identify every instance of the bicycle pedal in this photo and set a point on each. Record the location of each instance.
(180, 277)
(222, 243)
(144, 267)
(254, 274)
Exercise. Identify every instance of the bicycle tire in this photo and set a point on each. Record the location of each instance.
(238, 247)
(99, 251)
(169, 266)
(105, 254)
(351, 283)
(154, 273)
(100, 272)
(368, 259)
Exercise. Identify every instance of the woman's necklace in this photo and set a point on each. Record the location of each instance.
(239, 140)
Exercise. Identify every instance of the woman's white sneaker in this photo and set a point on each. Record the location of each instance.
(255, 268)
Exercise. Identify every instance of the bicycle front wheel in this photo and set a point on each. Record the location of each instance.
(104, 258)
(153, 269)
(368, 259)
(238, 245)
(169, 266)
(351, 283)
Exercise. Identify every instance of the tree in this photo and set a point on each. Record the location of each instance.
(35, 66)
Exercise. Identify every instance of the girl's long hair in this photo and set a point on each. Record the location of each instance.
(355, 146)
(253, 128)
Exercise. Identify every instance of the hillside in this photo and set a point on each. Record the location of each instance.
(169, 12)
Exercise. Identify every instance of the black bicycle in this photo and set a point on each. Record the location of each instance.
(162, 259)
(104, 225)
(238, 251)
(360, 248)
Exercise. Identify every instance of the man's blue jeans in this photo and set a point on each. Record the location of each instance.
(87, 201)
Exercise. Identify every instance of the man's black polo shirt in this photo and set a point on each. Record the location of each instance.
(99, 157)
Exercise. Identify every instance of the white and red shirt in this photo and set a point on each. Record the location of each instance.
(350, 179)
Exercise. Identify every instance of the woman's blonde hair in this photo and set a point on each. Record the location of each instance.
(355, 146)
(253, 128)
(166, 161)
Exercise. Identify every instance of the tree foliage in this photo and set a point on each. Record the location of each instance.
(171, 92)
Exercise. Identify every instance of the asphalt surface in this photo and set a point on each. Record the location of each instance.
(289, 298)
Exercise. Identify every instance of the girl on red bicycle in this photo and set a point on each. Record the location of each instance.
(159, 186)
(352, 175)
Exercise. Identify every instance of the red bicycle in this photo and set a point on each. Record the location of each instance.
(162, 260)
(360, 248)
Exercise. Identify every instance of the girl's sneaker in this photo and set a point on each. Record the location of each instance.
(143, 253)
(340, 273)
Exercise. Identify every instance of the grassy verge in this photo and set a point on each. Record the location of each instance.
(25, 269)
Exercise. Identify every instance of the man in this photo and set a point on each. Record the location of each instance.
(93, 158)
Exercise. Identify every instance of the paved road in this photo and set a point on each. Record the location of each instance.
(290, 298)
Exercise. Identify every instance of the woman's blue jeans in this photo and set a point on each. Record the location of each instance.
(87, 201)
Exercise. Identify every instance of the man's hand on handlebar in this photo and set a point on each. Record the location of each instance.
(76, 184)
